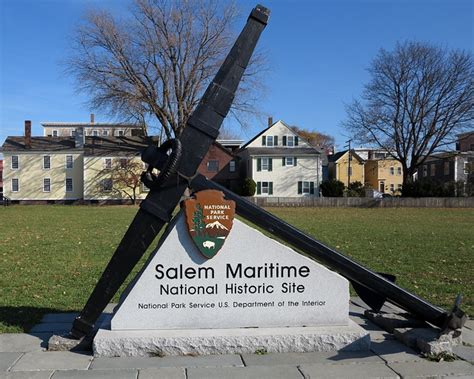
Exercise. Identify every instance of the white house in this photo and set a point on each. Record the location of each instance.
(282, 163)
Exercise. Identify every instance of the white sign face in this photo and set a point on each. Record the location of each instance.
(253, 281)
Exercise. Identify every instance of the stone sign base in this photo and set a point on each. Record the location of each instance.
(134, 343)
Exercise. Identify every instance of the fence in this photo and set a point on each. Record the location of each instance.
(364, 202)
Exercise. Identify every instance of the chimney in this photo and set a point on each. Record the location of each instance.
(92, 118)
(28, 134)
(270, 121)
(79, 137)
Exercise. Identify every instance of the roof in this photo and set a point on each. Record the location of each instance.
(90, 125)
(93, 146)
(335, 157)
(465, 135)
(283, 151)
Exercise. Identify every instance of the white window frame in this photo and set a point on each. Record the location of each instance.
(17, 162)
(399, 171)
(213, 161)
(120, 133)
(466, 168)
(95, 133)
(72, 185)
(123, 163)
(72, 162)
(107, 166)
(17, 185)
(262, 192)
(269, 138)
(105, 133)
(44, 185)
(44, 166)
(392, 170)
(292, 144)
(267, 164)
(304, 190)
(289, 161)
(232, 166)
(392, 187)
(55, 133)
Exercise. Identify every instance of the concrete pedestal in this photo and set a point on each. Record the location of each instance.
(112, 343)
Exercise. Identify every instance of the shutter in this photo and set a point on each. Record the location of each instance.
(270, 188)
(284, 140)
(259, 164)
(294, 161)
(283, 161)
(311, 188)
(264, 141)
(300, 188)
(270, 164)
(296, 140)
(259, 188)
(275, 140)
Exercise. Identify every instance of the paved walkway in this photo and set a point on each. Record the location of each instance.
(23, 356)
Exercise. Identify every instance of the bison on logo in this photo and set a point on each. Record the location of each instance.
(209, 218)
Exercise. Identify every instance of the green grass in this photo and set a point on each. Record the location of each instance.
(52, 256)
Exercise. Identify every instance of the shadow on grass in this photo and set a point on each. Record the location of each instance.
(21, 319)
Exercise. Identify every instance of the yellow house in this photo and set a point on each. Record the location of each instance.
(69, 169)
(345, 167)
(384, 175)
(42, 169)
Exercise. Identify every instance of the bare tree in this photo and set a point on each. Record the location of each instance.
(324, 141)
(157, 63)
(419, 96)
(124, 177)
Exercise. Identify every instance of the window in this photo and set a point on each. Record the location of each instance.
(399, 170)
(232, 166)
(106, 185)
(69, 161)
(15, 185)
(55, 133)
(123, 162)
(446, 168)
(264, 164)
(425, 170)
(15, 162)
(46, 184)
(264, 188)
(466, 168)
(121, 133)
(290, 141)
(95, 133)
(69, 185)
(213, 166)
(46, 162)
(269, 141)
(105, 133)
(289, 161)
(400, 187)
(392, 171)
(379, 155)
(432, 169)
(392, 187)
(107, 163)
(305, 188)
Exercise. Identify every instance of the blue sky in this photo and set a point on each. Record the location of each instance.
(318, 52)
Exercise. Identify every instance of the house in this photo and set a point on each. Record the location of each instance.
(222, 166)
(281, 162)
(453, 166)
(384, 175)
(1, 177)
(59, 169)
(465, 141)
(68, 129)
(347, 167)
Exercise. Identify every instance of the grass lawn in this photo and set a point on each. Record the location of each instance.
(52, 256)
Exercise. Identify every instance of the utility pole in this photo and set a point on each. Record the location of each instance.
(349, 168)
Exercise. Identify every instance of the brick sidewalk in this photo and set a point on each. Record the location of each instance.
(24, 356)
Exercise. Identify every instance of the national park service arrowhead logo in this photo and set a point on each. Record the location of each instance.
(209, 218)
